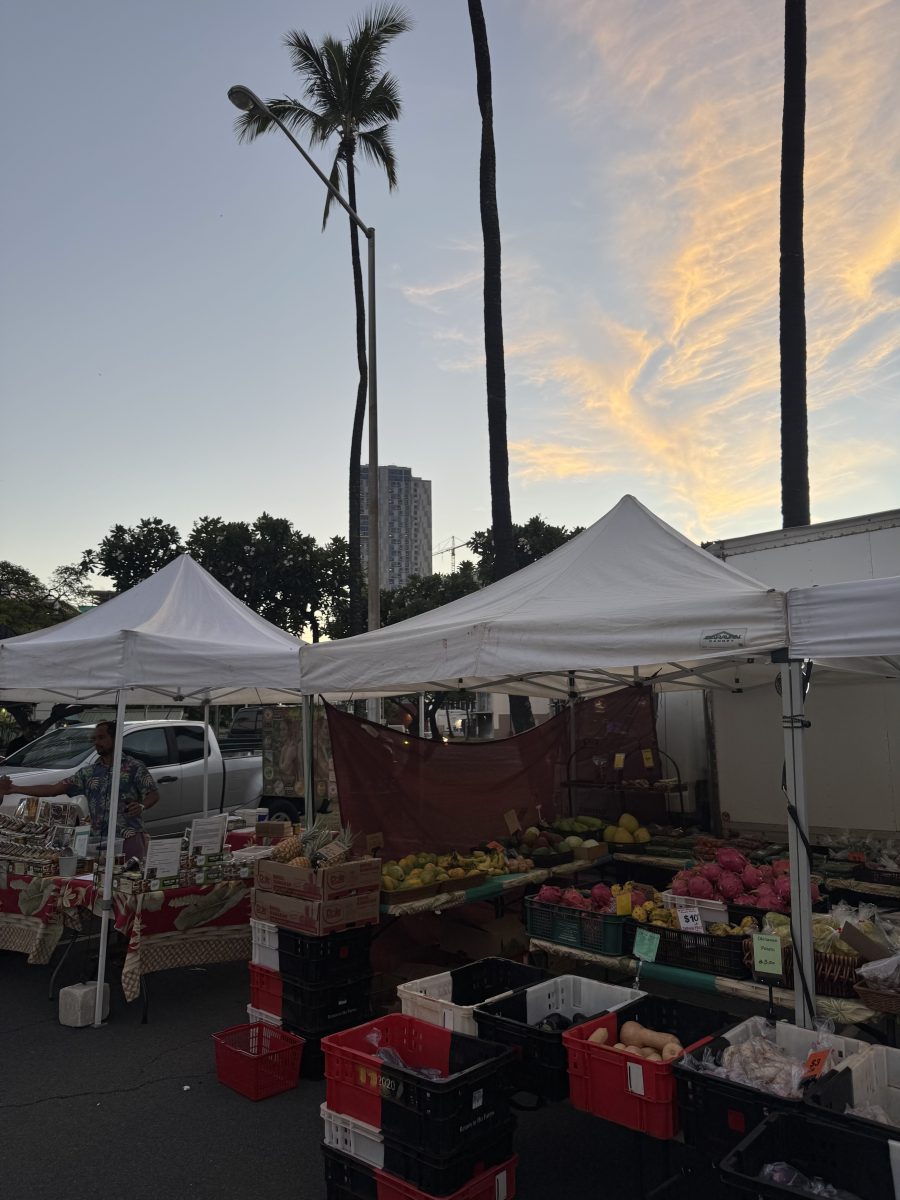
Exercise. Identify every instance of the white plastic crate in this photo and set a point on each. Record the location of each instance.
(431, 998)
(875, 1080)
(353, 1137)
(258, 1014)
(711, 911)
(571, 994)
(797, 1043)
(265, 944)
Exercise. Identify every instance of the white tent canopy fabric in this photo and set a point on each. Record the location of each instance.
(840, 624)
(180, 635)
(628, 598)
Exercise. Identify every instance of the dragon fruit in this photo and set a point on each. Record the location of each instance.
(680, 887)
(730, 860)
(600, 895)
(746, 900)
(574, 899)
(730, 885)
(814, 892)
(751, 877)
(783, 887)
(700, 888)
(781, 866)
(638, 899)
(711, 871)
(549, 895)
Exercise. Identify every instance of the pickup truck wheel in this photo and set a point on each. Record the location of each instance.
(283, 810)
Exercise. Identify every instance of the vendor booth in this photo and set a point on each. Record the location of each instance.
(179, 636)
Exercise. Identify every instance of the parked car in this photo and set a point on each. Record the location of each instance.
(172, 751)
(245, 731)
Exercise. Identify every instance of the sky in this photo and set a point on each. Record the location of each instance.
(177, 333)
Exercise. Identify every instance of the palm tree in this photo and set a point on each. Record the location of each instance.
(791, 292)
(350, 101)
(495, 368)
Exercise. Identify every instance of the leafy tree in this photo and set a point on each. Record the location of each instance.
(71, 584)
(531, 541)
(269, 565)
(791, 291)
(350, 99)
(26, 604)
(128, 555)
(422, 593)
(332, 615)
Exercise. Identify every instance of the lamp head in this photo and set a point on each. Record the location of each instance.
(241, 97)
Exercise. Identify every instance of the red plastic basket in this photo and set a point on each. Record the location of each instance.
(265, 989)
(258, 1060)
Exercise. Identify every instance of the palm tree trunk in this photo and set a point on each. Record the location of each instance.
(357, 610)
(791, 295)
(495, 368)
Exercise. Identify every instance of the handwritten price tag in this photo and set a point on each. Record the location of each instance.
(815, 1063)
(689, 919)
(646, 945)
(767, 954)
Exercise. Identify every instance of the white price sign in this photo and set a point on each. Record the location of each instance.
(689, 918)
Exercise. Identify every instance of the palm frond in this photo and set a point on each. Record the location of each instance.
(308, 61)
(298, 118)
(335, 57)
(382, 102)
(376, 146)
(369, 37)
(335, 180)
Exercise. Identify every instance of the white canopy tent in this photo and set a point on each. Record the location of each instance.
(628, 601)
(179, 635)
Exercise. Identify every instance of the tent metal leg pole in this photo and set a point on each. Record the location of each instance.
(206, 758)
(112, 817)
(573, 745)
(421, 714)
(309, 801)
(792, 709)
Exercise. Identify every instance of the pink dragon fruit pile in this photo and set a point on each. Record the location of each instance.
(732, 879)
(599, 899)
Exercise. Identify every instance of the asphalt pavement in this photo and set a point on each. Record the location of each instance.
(135, 1111)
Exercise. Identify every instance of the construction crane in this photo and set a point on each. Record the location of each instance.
(443, 548)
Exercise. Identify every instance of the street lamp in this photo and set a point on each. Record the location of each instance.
(242, 97)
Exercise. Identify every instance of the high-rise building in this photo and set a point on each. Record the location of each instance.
(404, 503)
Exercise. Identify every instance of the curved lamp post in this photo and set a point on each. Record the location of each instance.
(247, 101)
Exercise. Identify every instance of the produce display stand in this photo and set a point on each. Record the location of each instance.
(492, 889)
(656, 978)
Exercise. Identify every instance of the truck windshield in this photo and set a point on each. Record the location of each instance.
(60, 749)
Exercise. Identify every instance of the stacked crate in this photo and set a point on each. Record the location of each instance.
(416, 1110)
(311, 970)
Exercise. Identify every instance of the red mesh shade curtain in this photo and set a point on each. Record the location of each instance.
(427, 795)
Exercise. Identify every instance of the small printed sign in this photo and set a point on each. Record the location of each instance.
(512, 821)
(646, 945)
(623, 905)
(647, 756)
(689, 919)
(619, 762)
(635, 1078)
(767, 955)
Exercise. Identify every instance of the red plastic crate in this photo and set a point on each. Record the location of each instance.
(265, 989)
(353, 1072)
(622, 1088)
(497, 1183)
(258, 1060)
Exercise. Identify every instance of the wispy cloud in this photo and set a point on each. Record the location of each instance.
(667, 368)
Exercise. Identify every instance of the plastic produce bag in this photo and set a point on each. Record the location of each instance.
(392, 1058)
(784, 1175)
(882, 975)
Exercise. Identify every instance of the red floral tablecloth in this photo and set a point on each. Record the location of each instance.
(176, 927)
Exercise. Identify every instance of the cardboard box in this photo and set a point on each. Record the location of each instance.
(589, 853)
(326, 883)
(273, 829)
(316, 917)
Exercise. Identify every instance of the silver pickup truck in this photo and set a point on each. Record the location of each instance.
(172, 751)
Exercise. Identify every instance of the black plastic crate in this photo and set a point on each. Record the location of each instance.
(348, 1178)
(716, 1113)
(866, 874)
(541, 1066)
(441, 1175)
(479, 981)
(323, 959)
(321, 1008)
(831, 1096)
(702, 952)
(817, 1148)
(600, 933)
(312, 1061)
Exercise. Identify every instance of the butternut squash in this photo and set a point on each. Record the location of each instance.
(636, 1035)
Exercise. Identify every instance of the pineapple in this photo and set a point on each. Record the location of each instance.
(287, 850)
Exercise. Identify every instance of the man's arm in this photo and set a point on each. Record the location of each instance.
(10, 787)
(146, 786)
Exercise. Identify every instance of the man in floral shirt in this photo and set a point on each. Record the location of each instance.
(137, 791)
